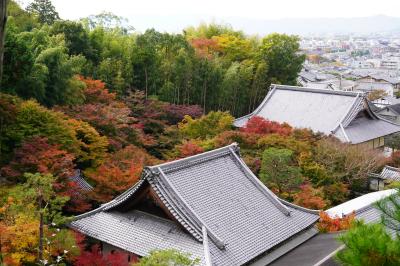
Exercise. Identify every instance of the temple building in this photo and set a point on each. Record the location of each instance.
(388, 175)
(345, 115)
(209, 205)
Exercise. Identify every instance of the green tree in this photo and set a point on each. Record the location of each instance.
(39, 188)
(45, 11)
(207, 126)
(260, 86)
(61, 85)
(34, 120)
(110, 21)
(393, 141)
(146, 62)
(281, 53)
(22, 19)
(390, 208)
(22, 76)
(369, 244)
(210, 30)
(170, 257)
(278, 171)
(76, 37)
(3, 20)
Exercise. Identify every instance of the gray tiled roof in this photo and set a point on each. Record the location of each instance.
(308, 76)
(138, 232)
(364, 129)
(326, 111)
(80, 181)
(391, 173)
(317, 109)
(243, 218)
(386, 78)
(371, 214)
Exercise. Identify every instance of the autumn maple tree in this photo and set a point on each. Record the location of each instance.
(38, 155)
(119, 172)
(259, 125)
(310, 197)
(189, 148)
(328, 224)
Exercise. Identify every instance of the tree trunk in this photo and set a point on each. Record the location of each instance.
(3, 20)
(40, 229)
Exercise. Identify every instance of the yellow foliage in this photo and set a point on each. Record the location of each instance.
(234, 47)
(20, 240)
(207, 126)
(92, 147)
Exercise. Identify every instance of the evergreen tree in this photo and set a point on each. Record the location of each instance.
(45, 11)
(371, 244)
(3, 20)
(278, 170)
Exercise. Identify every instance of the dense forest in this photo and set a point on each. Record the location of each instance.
(212, 65)
(95, 96)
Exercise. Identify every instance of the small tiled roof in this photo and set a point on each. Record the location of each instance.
(364, 129)
(371, 214)
(138, 232)
(390, 173)
(308, 76)
(216, 190)
(386, 78)
(326, 111)
(80, 181)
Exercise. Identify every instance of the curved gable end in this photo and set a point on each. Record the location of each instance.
(217, 192)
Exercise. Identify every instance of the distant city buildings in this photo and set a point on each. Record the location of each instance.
(352, 63)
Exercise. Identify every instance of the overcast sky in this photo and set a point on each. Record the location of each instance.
(177, 14)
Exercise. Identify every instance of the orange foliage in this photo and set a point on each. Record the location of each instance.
(259, 125)
(189, 148)
(327, 224)
(37, 155)
(110, 116)
(204, 47)
(244, 139)
(310, 197)
(96, 91)
(119, 172)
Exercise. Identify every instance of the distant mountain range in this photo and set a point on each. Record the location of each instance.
(301, 26)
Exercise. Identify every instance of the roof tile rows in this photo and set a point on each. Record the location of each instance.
(326, 111)
(244, 220)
